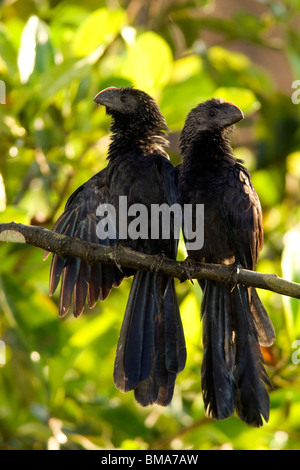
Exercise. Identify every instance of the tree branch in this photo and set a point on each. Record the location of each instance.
(92, 253)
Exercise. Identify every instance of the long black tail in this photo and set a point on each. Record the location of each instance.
(233, 375)
(253, 400)
(151, 348)
(217, 377)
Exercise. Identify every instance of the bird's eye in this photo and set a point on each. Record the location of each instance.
(212, 112)
(123, 98)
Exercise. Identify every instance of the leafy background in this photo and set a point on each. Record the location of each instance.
(56, 388)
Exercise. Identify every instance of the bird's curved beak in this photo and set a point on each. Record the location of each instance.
(106, 96)
(231, 114)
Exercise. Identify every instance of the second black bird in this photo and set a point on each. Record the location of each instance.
(235, 322)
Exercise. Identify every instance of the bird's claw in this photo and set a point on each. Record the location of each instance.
(234, 275)
(116, 248)
(187, 264)
(156, 265)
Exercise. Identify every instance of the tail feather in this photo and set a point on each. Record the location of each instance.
(68, 280)
(66, 225)
(81, 288)
(129, 350)
(149, 339)
(171, 357)
(174, 335)
(56, 269)
(151, 348)
(94, 285)
(111, 274)
(82, 279)
(217, 377)
(80, 282)
(233, 372)
(140, 336)
(253, 400)
(263, 324)
(146, 391)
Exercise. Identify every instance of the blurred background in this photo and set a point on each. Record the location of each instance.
(56, 386)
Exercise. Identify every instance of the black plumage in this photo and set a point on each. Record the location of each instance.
(235, 322)
(151, 348)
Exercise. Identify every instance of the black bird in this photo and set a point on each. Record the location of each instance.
(151, 348)
(235, 323)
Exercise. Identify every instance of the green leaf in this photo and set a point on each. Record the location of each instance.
(179, 98)
(290, 263)
(148, 62)
(2, 195)
(98, 29)
(293, 163)
(8, 54)
(56, 79)
(36, 53)
(270, 179)
(241, 97)
(236, 70)
(14, 214)
(190, 312)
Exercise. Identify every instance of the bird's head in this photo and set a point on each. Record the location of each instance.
(118, 100)
(214, 114)
(213, 118)
(131, 105)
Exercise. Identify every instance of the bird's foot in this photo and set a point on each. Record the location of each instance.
(116, 249)
(187, 264)
(234, 275)
(156, 265)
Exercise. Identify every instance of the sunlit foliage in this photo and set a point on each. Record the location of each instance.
(56, 386)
